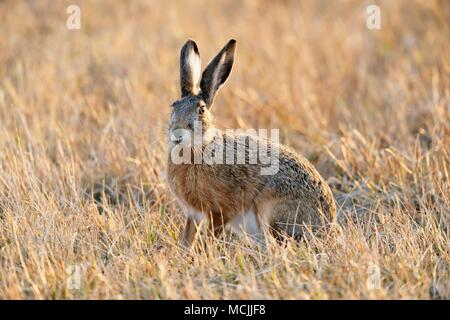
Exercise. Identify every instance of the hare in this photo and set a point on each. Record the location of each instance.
(286, 203)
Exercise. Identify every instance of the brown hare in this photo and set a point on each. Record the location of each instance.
(287, 202)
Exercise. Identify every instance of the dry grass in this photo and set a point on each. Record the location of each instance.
(83, 118)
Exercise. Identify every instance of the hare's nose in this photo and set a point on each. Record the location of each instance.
(176, 139)
(176, 136)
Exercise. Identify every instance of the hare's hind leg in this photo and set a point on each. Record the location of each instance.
(291, 218)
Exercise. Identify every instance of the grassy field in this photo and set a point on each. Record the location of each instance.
(85, 211)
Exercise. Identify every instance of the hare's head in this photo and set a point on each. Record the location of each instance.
(198, 90)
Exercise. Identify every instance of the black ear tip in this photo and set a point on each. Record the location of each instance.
(191, 44)
(231, 45)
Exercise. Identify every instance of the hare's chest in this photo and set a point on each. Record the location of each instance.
(184, 183)
(199, 190)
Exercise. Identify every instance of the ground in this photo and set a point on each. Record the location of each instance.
(85, 211)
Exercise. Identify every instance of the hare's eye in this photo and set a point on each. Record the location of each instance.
(201, 110)
(190, 126)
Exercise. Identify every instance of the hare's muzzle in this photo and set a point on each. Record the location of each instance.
(176, 140)
(179, 135)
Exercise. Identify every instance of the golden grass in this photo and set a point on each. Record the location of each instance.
(83, 117)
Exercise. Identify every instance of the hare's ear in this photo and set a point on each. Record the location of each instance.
(190, 69)
(217, 72)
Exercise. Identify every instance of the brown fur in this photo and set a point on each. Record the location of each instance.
(295, 197)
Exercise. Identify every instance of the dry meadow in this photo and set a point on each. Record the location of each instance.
(85, 212)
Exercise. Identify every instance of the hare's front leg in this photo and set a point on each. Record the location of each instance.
(216, 224)
(190, 230)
